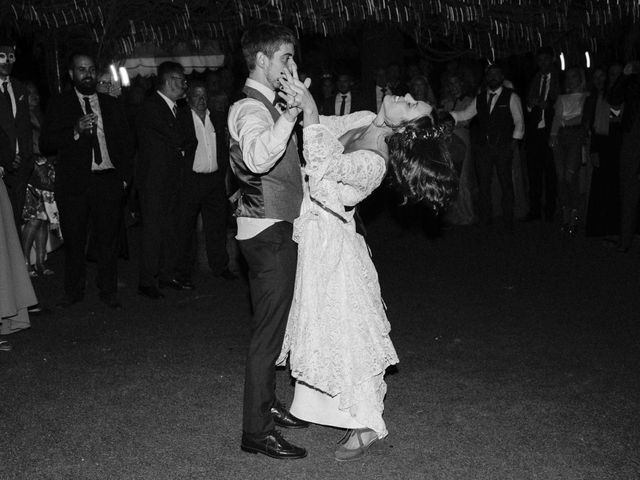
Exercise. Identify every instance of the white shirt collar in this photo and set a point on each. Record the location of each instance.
(498, 91)
(348, 94)
(82, 95)
(263, 89)
(170, 102)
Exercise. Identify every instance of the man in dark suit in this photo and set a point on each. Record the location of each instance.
(162, 145)
(543, 91)
(344, 102)
(203, 191)
(15, 123)
(90, 132)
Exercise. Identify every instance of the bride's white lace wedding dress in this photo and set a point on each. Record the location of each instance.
(337, 337)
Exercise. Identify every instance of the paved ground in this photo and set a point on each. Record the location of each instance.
(519, 360)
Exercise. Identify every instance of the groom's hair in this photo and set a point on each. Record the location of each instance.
(266, 38)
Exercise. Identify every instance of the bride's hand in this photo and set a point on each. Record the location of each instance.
(295, 92)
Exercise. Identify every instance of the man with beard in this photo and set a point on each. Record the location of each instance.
(89, 131)
(500, 127)
(162, 146)
(15, 123)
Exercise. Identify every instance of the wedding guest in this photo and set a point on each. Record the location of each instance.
(162, 146)
(603, 213)
(500, 127)
(543, 91)
(40, 212)
(457, 98)
(345, 101)
(202, 192)
(90, 133)
(566, 138)
(15, 123)
(420, 89)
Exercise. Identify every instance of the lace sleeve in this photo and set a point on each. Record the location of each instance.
(338, 125)
(335, 178)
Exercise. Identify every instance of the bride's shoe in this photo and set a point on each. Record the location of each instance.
(354, 444)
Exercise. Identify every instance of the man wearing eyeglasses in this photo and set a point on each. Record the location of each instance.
(16, 124)
(162, 145)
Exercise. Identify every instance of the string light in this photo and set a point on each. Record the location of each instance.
(562, 61)
(587, 58)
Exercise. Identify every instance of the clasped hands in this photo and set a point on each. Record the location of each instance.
(295, 92)
(86, 124)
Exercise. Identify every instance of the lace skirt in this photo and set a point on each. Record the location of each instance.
(337, 336)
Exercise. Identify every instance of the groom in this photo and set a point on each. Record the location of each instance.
(264, 158)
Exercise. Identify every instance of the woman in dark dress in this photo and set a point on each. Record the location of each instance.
(603, 121)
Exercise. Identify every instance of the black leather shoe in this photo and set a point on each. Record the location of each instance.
(272, 445)
(283, 418)
(176, 284)
(150, 292)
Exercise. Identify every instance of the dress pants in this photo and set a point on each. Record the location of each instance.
(629, 184)
(271, 256)
(100, 204)
(500, 156)
(541, 169)
(158, 208)
(202, 193)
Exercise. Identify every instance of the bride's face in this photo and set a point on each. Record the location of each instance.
(396, 110)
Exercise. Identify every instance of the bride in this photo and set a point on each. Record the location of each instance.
(337, 337)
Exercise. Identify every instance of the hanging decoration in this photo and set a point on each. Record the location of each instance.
(488, 28)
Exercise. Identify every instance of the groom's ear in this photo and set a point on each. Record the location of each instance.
(261, 59)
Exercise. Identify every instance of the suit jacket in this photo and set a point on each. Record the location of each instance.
(17, 129)
(162, 144)
(357, 103)
(627, 91)
(222, 143)
(73, 167)
(532, 118)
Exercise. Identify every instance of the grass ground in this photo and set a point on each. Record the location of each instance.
(519, 360)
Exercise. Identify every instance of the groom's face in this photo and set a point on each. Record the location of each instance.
(276, 65)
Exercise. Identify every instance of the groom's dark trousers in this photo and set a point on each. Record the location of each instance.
(271, 256)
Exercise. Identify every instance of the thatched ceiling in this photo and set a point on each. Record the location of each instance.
(490, 28)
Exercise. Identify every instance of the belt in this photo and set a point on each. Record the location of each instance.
(205, 173)
(103, 172)
(573, 127)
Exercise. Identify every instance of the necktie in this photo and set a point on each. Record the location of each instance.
(174, 109)
(490, 100)
(543, 93)
(95, 145)
(543, 87)
(343, 104)
(7, 96)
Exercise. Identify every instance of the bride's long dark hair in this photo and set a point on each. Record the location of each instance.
(420, 167)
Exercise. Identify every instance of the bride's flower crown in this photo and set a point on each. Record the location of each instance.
(432, 133)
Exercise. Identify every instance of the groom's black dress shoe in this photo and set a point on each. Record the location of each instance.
(283, 418)
(271, 444)
(176, 284)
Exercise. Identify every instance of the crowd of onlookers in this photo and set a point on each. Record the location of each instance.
(560, 149)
